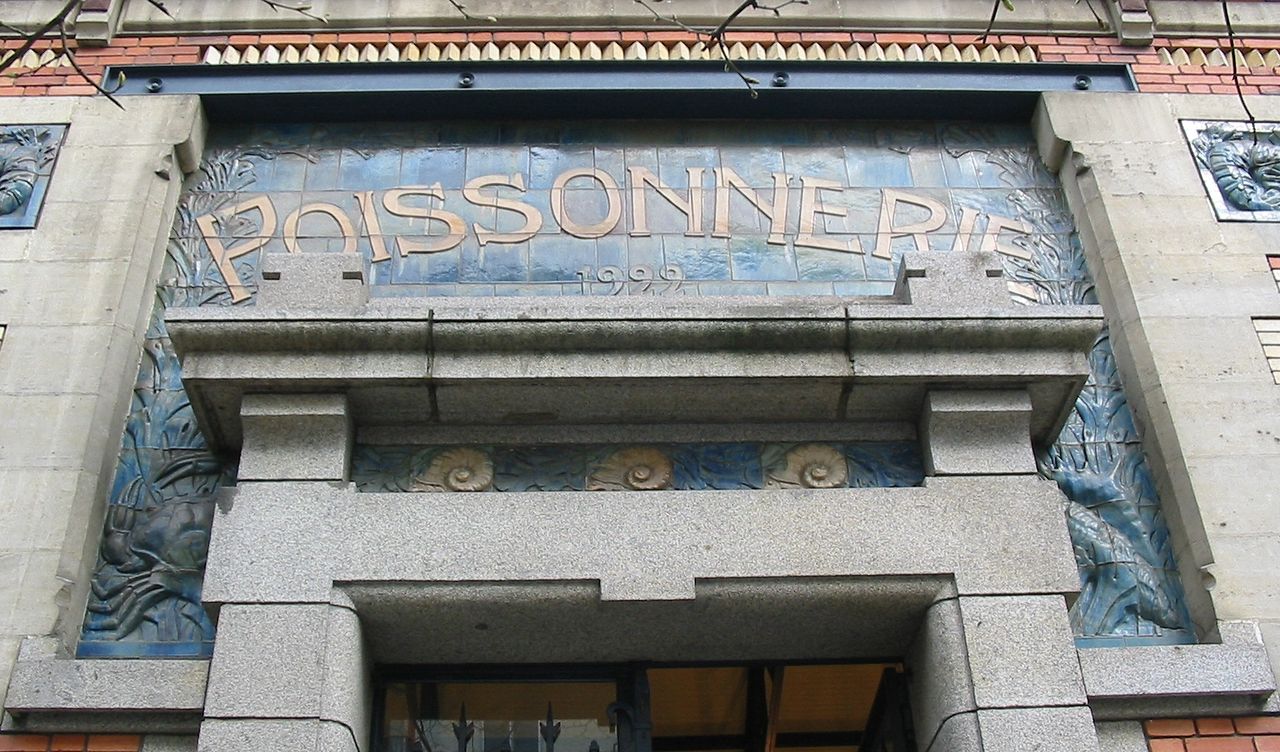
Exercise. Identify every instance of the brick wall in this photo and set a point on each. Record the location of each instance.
(1152, 65)
(70, 743)
(1248, 734)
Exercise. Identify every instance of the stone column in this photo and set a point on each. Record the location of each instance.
(290, 669)
(993, 671)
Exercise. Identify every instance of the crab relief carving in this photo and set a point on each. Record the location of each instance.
(1243, 165)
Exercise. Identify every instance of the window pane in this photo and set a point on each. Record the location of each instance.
(507, 716)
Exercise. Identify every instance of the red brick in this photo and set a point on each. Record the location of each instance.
(1152, 78)
(274, 39)
(157, 41)
(1215, 726)
(1042, 40)
(516, 37)
(1200, 80)
(1202, 43)
(900, 38)
(1263, 724)
(67, 743)
(1221, 744)
(1267, 743)
(239, 39)
(1081, 58)
(1163, 88)
(1075, 41)
(748, 37)
(1171, 727)
(938, 38)
(115, 743)
(1229, 89)
(839, 37)
(205, 39)
(1199, 89)
(866, 37)
(437, 37)
(670, 36)
(401, 37)
(1143, 68)
(1012, 39)
(366, 38)
(1052, 58)
(1116, 58)
(23, 743)
(1057, 48)
(1167, 745)
(596, 36)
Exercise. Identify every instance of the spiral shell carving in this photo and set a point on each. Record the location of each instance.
(808, 466)
(462, 469)
(634, 469)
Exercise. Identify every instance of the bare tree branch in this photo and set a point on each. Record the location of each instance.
(54, 32)
(716, 35)
(1235, 72)
(71, 58)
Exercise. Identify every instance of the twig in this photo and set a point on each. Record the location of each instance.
(1235, 73)
(302, 9)
(462, 9)
(71, 58)
(716, 35)
(29, 40)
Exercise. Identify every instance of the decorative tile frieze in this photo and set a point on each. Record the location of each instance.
(647, 467)
(1240, 167)
(272, 54)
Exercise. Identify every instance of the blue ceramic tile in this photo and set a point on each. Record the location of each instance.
(560, 260)
(698, 260)
(369, 170)
(431, 165)
(755, 260)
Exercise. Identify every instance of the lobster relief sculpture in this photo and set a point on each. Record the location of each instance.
(26, 157)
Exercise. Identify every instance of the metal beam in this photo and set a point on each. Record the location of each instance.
(523, 90)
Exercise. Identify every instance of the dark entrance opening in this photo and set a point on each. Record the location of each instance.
(757, 707)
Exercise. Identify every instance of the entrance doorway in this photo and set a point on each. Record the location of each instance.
(757, 707)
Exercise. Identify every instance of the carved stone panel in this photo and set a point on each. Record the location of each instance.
(516, 209)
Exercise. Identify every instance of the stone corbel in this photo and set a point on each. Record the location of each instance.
(1132, 21)
(96, 24)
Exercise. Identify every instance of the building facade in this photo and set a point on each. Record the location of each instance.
(652, 377)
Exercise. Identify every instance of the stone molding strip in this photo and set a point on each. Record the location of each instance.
(50, 694)
(678, 50)
(1233, 677)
